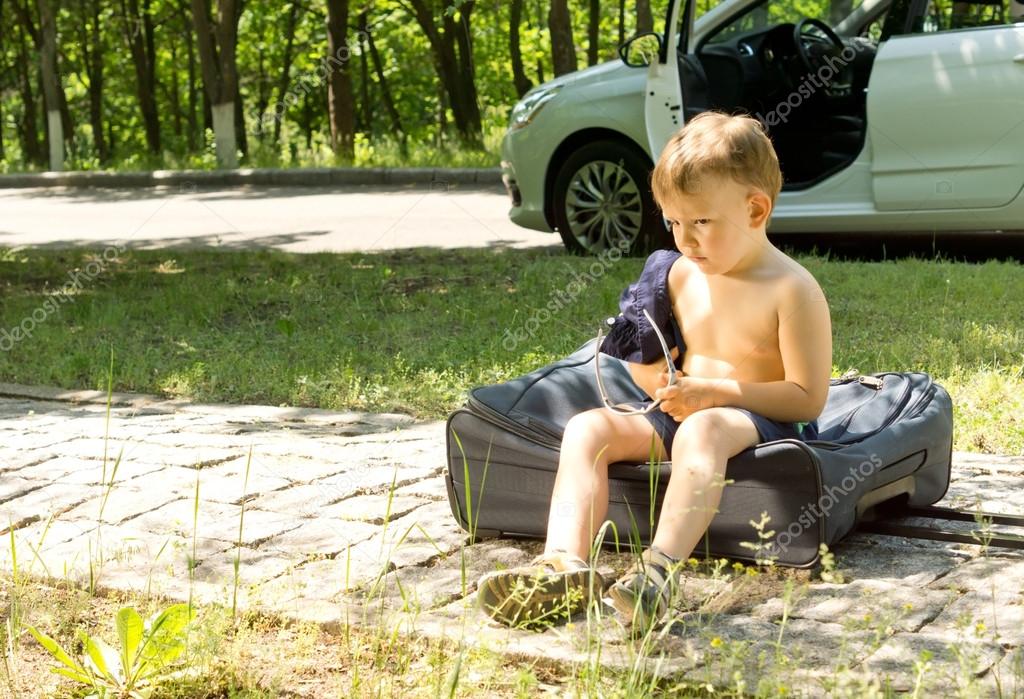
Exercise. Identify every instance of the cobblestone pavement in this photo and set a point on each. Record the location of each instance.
(318, 543)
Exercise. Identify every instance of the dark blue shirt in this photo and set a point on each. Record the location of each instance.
(631, 337)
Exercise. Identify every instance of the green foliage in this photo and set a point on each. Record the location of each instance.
(282, 83)
(148, 651)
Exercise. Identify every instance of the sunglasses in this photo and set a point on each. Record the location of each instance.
(619, 409)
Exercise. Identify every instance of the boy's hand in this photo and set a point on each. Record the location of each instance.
(687, 396)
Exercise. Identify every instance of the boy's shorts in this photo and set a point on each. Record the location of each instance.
(768, 430)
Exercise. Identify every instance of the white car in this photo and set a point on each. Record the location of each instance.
(905, 115)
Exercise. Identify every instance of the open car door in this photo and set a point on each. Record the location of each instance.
(663, 97)
(946, 119)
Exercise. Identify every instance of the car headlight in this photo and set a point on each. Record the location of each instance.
(527, 108)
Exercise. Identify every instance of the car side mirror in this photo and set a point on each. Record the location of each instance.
(641, 50)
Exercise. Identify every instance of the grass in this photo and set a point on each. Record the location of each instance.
(254, 655)
(412, 331)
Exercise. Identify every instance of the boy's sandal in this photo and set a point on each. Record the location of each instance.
(642, 596)
(553, 586)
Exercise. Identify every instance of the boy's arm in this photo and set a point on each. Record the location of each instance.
(805, 343)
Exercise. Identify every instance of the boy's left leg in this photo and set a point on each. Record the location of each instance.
(703, 445)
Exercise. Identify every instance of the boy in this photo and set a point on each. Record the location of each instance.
(756, 367)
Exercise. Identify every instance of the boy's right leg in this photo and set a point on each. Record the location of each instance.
(561, 580)
(579, 501)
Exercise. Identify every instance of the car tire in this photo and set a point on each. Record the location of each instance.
(602, 198)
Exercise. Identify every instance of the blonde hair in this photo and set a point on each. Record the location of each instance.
(713, 143)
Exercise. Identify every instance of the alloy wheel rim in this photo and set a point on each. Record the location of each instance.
(603, 206)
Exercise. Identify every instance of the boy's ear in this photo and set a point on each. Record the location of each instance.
(759, 208)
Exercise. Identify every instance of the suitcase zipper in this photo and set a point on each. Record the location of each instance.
(494, 417)
(875, 382)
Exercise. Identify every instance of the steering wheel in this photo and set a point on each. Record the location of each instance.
(813, 56)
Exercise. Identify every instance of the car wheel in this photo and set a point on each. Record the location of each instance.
(602, 199)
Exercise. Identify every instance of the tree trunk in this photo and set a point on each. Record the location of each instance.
(365, 113)
(217, 43)
(593, 32)
(94, 62)
(339, 81)
(563, 51)
(174, 94)
(29, 132)
(453, 69)
(51, 83)
(385, 91)
(187, 29)
(466, 78)
(262, 93)
(241, 142)
(281, 106)
(138, 30)
(644, 20)
(519, 79)
(3, 71)
(223, 114)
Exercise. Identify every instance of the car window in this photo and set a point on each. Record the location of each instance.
(769, 14)
(946, 15)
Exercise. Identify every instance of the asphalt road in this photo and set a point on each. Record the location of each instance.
(293, 219)
(370, 218)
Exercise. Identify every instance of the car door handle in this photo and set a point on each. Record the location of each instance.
(1019, 58)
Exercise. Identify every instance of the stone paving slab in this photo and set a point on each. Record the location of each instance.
(318, 543)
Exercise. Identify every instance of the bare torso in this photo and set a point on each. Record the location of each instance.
(730, 325)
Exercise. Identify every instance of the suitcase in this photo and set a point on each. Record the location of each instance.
(883, 438)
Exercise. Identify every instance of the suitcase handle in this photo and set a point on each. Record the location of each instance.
(905, 485)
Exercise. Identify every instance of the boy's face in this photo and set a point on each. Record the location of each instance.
(720, 226)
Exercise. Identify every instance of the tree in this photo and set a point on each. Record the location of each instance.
(93, 56)
(563, 51)
(382, 83)
(29, 133)
(519, 79)
(339, 80)
(182, 15)
(644, 20)
(217, 43)
(593, 32)
(137, 26)
(454, 68)
(52, 91)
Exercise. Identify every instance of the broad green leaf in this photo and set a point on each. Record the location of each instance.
(55, 650)
(76, 676)
(164, 639)
(104, 658)
(129, 631)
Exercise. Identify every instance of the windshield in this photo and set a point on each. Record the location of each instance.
(770, 13)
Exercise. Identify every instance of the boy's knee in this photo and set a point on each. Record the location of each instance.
(589, 429)
(703, 425)
(713, 432)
